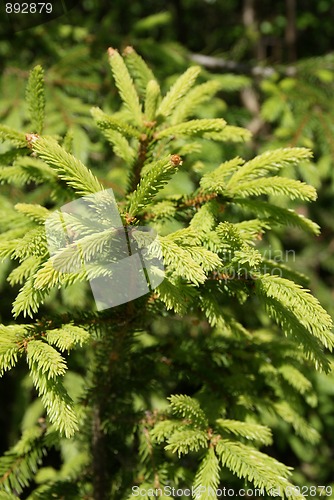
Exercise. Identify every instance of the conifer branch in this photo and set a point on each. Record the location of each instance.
(19, 465)
(213, 272)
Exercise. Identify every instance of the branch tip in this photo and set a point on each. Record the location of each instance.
(111, 51)
(128, 50)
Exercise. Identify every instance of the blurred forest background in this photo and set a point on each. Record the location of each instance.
(275, 65)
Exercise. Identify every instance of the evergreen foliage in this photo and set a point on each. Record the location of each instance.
(247, 377)
(299, 110)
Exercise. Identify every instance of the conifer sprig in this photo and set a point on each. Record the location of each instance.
(10, 350)
(276, 186)
(188, 408)
(208, 475)
(152, 99)
(16, 138)
(264, 472)
(248, 430)
(153, 180)
(278, 215)
(193, 128)
(180, 88)
(69, 168)
(193, 98)
(269, 162)
(140, 71)
(106, 122)
(46, 359)
(35, 98)
(58, 404)
(125, 85)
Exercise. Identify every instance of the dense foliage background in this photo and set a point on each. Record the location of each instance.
(276, 73)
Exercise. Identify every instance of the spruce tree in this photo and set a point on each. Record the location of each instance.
(182, 386)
